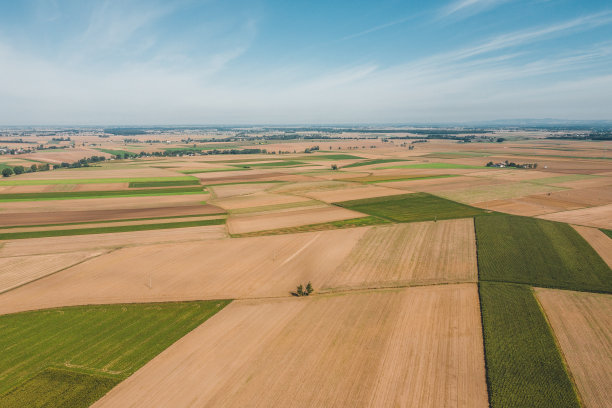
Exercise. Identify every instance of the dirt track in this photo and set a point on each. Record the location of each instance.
(417, 347)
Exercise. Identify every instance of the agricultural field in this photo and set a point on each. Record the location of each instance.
(425, 290)
(540, 253)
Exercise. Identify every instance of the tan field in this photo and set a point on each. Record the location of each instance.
(255, 200)
(63, 187)
(582, 323)
(356, 193)
(600, 217)
(93, 172)
(598, 240)
(33, 246)
(19, 270)
(49, 217)
(408, 254)
(366, 349)
(232, 190)
(240, 224)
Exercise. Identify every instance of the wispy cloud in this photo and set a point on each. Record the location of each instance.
(469, 7)
(377, 28)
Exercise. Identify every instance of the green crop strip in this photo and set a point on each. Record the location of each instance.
(145, 184)
(353, 222)
(607, 232)
(539, 253)
(63, 357)
(412, 207)
(111, 229)
(70, 195)
(373, 161)
(524, 366)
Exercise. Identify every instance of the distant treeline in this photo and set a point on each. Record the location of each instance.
(423, 131)
(125, 131)
(9, 171)
(590, 136)
(187, 152)
(17, 141)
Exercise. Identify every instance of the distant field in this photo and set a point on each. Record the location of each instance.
(524, 367)
(112, 341)
(390, 179)
(144, 184)
(69, 195)
(412, 207)
(330, 156)
(15, 181)
(354, 222)
(119, 153)
(373, 161)
(196, 171)
(607, 232)
(105, 230)
(540, 253)
(432, 166)
(280, 163)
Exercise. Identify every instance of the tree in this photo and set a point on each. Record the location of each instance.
(490, 164)
(334, 167)
(309, 288)
(33, 167)
(7, 171)
(300, 290)
(18, 169)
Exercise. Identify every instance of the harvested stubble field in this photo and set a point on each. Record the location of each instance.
(537, 252)
(524, 367)
(47, 245)
(255, 200)
(600, 242)
(113, 341)
(600, 217)
(70, 195)
(582, 323)
(16, 271)
(356, 192)
(412, 207)
(293, 217)
(232, 190)
(382, 348)
(495, 190)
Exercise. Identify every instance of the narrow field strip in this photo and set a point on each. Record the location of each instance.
(373, 161)
(145, 184)
(539, 253)
(112, 340)
(324, 226)
(104, 230)
(37, 182)
(71, 195)
(524, 366)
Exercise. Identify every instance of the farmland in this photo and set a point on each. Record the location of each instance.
(110, 340)
(539, 253)
(410, 249)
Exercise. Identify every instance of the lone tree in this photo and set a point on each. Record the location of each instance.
(300, 290)
(7, 171)
(334, 167)
(309, 288)
(19, 169)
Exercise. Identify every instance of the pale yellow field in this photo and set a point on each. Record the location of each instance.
(240, 224)
(355, 193)
(231, 190)
(19, 270)
(582, 323)
(600, 217)
(407, 254)
(254, 200)
(377, 349)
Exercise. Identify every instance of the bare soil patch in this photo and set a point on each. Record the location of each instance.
(582, 323)
(382, 348)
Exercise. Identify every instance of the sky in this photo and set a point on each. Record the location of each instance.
(199, 62)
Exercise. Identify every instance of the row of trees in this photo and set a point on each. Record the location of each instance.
(9, 171)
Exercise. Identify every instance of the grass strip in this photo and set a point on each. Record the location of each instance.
(207, 171)
(433, 166)
(213, 184)
(539, 253)
(16, 181)
(280, 163)
(111, 341)
(412, 207)
(106, 230)
(176, 183)
(353, 222)
(524, 366)
(71, 195)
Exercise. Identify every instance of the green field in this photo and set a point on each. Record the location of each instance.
(118, 153)
(411, 207)
(111, 229)
(70, 195)
(607, 232)
(539, 253)
(111, 341)
(55, 387)
(176, 183)
(16, 181)
(353, 222)
(524, 366)
(373, 161)
(432, 166)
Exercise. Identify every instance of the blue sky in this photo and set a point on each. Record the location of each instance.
(299, 62)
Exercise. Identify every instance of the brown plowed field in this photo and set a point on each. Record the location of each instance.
(240, 224)
(212, 269)
(598, 240)
(600, 217)
(38, 218)
(582, 323)
(415, 253)
(63, 187)
(417, 347)
(33, 246)
(16, 271)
